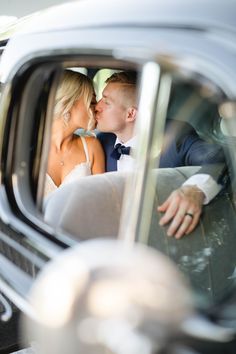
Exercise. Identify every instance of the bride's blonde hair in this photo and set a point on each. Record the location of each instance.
(72, 87)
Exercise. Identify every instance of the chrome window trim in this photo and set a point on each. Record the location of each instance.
(155, 89)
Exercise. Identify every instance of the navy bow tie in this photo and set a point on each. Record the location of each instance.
(120, 150)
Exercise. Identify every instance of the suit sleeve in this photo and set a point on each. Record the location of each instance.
(199, 152)
(194, 151)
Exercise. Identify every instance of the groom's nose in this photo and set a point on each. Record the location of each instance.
(98, 106)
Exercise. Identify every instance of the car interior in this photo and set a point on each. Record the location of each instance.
(196, 255)
(99, 206)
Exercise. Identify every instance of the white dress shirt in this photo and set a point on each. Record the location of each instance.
(203, 181)
(126, 162)
(207, 185)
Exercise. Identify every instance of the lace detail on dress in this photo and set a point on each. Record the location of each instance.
(81, 170)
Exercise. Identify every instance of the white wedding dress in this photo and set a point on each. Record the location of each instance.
(80, 170)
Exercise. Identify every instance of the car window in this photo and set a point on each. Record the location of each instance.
(173, 115)
(192, 116)
(205, 255)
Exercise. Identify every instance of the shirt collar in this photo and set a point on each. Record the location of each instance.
(131, 142)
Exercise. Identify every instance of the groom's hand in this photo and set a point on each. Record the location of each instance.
(182, 210)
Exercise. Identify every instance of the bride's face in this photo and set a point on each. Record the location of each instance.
(92, 121)
(80, 114)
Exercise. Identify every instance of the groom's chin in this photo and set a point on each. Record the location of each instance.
(101, 128)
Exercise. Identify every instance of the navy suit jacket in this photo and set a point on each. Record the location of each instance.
(182, 147)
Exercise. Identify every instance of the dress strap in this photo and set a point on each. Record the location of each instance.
(85, 148)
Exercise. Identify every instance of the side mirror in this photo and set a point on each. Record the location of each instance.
(104, 296)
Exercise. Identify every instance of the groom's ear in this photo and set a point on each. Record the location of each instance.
(131, 114)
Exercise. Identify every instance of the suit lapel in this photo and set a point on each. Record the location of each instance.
(111, 164)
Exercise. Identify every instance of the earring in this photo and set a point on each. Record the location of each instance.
(66, 118)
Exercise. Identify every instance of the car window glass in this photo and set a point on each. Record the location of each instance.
(92, 206)
(206, 254)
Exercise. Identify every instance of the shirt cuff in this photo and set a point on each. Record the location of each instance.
(207, 185)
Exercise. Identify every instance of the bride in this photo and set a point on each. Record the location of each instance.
(72, 156)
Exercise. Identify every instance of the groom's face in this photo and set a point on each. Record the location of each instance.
(111, 110)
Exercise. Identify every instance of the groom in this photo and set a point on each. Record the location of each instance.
(116, 115)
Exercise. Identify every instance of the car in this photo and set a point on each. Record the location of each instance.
(160, 294)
